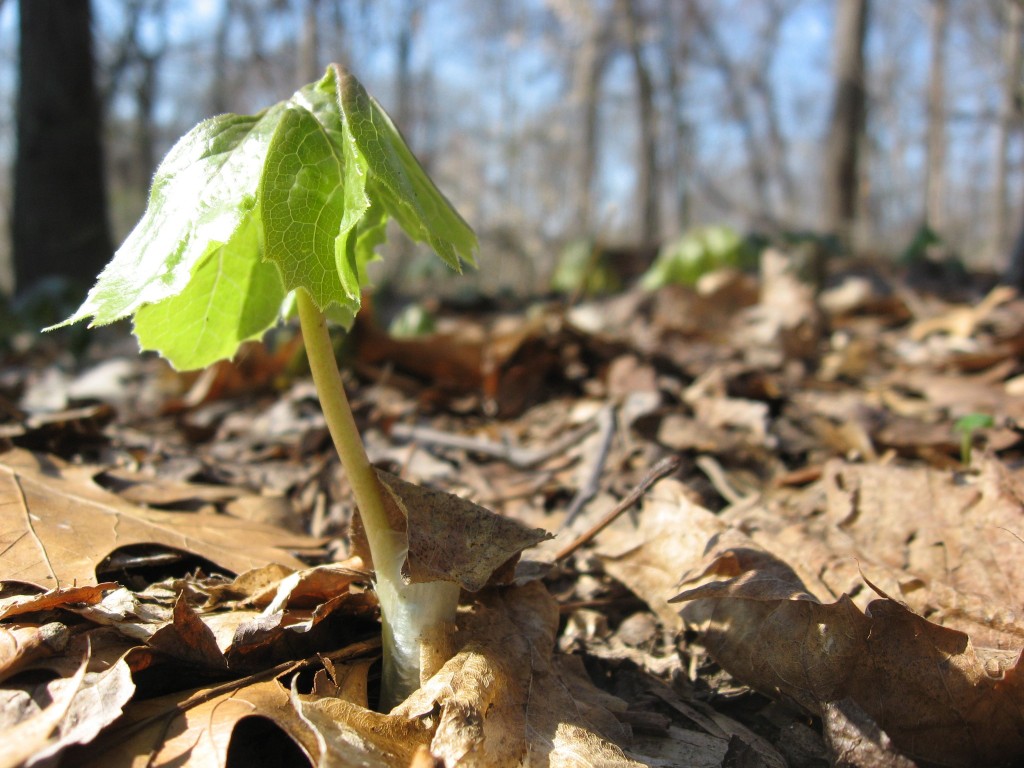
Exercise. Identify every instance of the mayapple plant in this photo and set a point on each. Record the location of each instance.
(255, 216)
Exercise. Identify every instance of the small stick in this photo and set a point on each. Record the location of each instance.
(589, 489)
(518, 457)
(665, 467)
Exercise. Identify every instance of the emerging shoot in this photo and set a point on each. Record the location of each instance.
(251, 216)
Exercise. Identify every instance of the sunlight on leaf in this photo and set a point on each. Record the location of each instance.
(307, 185)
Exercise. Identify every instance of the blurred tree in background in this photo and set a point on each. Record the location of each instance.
(60, 213)
(626, 122)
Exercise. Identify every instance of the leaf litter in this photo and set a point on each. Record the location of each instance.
(819, 579)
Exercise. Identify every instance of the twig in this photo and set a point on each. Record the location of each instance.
(719, 480)
(665, 467)
(606, 419)
(520, 458)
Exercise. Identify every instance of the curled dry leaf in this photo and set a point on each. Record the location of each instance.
(188, 638)
(24, 645)
(55, 598)
(57, 526)
(937, 697)
(503, 699)
(506, 700)
(40, 722)
(453, 539)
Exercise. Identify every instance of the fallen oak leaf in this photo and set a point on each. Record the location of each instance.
(188, 638)
(57, 526)
(195, 728)
(349, 734)
(938, 698)
(502, 699)
(67, 711)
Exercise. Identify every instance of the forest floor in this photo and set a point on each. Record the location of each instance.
(833, 484)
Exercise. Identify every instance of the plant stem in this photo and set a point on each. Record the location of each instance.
(342, 426)
(410, 613)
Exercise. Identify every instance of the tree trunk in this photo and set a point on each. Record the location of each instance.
(220, 87)
(676, 51)
(589, 70)
(1015, 272)
(741, 110)
(650, 220)
(1009, 118)
(310, 68)
(846, 126)
(935, 168)
(60, 213)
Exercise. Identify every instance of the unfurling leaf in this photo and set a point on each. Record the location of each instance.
(245, 209)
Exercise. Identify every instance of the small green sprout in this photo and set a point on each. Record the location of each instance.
(966, 427)
(254, 216)
(702, 250)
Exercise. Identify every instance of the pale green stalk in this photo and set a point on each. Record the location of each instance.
(409, 612)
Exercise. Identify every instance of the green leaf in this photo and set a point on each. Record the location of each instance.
(201, 192)
(230, 299)
(246, 209)
(399, 181)
(305, 202)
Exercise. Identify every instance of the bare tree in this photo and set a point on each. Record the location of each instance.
(739, 107)
(588, 70)
(648, 182)
(1008, 120)
(935, 165)
(847, 122)
(309, 66)
(761, 87)
(408, 24)
(60, 214)
(676, 47)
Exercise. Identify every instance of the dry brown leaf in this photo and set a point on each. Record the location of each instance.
(961, 322)
(25, 644)
(58, 525)
(948, 544)
(926, 686)
(55, 598)
(31, 733)
(453, 539)
(652, 554)
(349, 734)
(166, 492)
(189, 639)
(309, 587)
(505, 700)
(196, 727)
(787, 322)
(70, 710)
